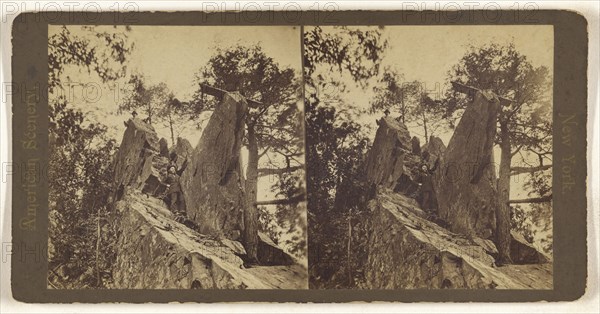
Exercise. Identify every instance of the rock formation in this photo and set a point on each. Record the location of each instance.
(212, 183)
(135, 161)
(156, 251)
(408, 248)
(407, 251)
(466, 182)
(390, 162)
(183, 151)
(164, 147)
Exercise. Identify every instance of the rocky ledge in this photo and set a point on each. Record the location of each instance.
(407, 251)
(157, 252)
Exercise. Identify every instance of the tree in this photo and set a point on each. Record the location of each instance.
(338, 145)
(174, 115)
(81, 250)
(149, 99)
(406, 98)
(274, 132)
(525, 125)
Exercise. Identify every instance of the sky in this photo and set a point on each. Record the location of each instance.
(173, 54)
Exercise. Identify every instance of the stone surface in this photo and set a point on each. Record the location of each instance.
(164, 147)
(522, 252)
(433, 150)
(183, 150)
(407, 251)
(465, 184)
(270, 254)
(212, 183)
(135, 159)
(156, 252)
(390, 162)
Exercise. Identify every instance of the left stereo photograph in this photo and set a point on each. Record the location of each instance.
(176, 158)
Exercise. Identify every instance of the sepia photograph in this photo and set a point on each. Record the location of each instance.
(176, 158)
(429, 153)
(300, 155)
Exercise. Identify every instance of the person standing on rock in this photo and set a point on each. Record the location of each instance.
(174, 192)
(427, 197)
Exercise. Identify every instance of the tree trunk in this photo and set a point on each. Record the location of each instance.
(98, 239)
(349, 247)
(251, 213)
(172, 133)
(503, 210)
(425, 127)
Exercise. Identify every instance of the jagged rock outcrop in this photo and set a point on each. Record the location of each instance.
(183, 151)
(411, 249)
(164, 147)
(270, 254)
(156, 252)
(407, 251)
(135, 163)
(391, 163)
(466, 183)
(212, 183)
(433, 150)
(523, 252)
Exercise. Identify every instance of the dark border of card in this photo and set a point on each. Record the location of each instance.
(30, 76)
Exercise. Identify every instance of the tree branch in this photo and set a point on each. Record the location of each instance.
(293, 200)
(275, 171)
(519, 170)
(543, 199)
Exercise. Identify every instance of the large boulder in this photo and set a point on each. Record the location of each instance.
(433, 150)
(212, 183)
(391, 163)
(407, 251)
(270, 254)
(523, 252)
(156, 252)
(164, 147)
(183, 151)
(465, 184)
(137, 163)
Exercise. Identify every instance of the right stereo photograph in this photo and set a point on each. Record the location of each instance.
(429, 156)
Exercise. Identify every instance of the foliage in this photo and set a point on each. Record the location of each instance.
(79, 180)
(338, 148)
(79, 176)
(291, 217)
(407, 99)
(103, 53)
(534, 222)
(504, 71)
(148, 99)
(256, 76)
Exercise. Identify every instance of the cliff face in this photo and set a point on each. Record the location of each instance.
(466, 182)
(136, 163)
(390, 162)
(155, 251)
(212, 183)
(407, 251)
(410, 249)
